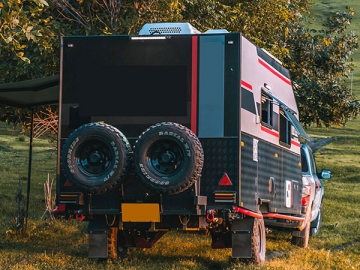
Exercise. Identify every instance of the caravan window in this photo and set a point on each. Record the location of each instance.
(285, 129)
(266, 109)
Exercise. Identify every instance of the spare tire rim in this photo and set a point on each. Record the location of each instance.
(165, 158)
(94, 157)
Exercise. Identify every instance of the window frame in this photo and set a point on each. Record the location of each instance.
(267, 102)
(285, 132)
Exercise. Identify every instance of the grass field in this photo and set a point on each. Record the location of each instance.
(56, 246)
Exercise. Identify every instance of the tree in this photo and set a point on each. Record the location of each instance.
(116, 16)
(29, 47)
(319, 62)
(29, 42)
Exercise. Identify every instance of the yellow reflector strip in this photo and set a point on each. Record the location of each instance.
(69, 195)
(222, 197)
(225, 194)
(140, 212)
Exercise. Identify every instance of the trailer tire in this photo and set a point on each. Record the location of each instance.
(258, 241)
(168, 158)
(95, 157)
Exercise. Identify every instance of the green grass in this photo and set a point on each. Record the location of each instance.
(55, 246)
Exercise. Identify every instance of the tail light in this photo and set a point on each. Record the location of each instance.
(306, 191)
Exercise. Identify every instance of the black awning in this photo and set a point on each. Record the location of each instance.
(43, 91)
(26, 94)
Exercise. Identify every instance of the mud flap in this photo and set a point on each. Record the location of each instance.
(98, 245)
(241, 231)
(98, 239)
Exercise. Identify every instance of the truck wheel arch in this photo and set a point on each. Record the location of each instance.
(95, 157)
(168, 157)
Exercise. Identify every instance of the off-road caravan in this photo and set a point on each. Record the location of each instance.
(177, 129)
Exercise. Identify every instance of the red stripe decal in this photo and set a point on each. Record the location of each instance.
(268, 67)
(247, 85)
(271, 132)
(295, 143)
(194, 82)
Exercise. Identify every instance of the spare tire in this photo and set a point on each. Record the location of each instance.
(168, 158)
(95, 157)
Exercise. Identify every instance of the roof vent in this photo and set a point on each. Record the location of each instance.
(217, 31)
(168, 29)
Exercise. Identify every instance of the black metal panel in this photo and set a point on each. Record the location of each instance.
(181, 203)
(232, 85)
(116, 79)
(136, 191)
(247, 100)
(249, 174)
(220, 156)
(110, 200)
(275, 163)
(270, 166)
(292, 171)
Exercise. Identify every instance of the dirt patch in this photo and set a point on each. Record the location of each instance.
(339, 248)
(274, 254)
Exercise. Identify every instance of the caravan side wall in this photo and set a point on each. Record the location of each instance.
(267, 163)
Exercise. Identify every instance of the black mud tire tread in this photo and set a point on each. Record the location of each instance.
(316, 224)
(192, 165)
(258, 242)
(302, 241)
(117, 144)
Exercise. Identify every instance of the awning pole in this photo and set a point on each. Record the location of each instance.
(29, 168)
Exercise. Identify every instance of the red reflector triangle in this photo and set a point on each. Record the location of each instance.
(67, 184)
(225, 180)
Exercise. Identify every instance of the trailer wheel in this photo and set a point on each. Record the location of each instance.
(168, 158)
(301, 238)
(95, 157)
(258, 241)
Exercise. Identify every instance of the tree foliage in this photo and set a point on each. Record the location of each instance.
(115, 16)
(29, 47)
(318, 60)
(29, 41)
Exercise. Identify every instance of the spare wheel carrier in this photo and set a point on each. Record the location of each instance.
(95, 157)
(168, 158)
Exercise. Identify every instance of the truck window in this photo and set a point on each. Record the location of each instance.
(304, 163)
(266, 109)
(285, 129)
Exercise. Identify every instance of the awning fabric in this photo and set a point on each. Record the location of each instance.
(296, 124)
(27, 94)
(43, 91)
